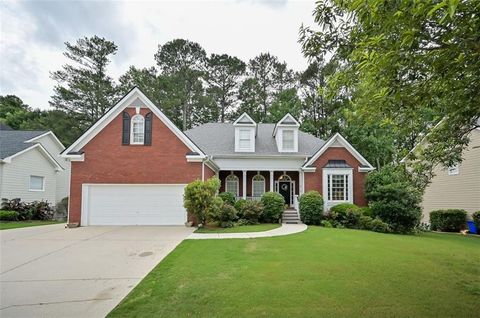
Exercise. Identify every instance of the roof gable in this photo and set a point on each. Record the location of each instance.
(43, 151)
(14, 141)
(134, 98)
(51, 135)
(287, 121)
(338, 140)
(245, 119)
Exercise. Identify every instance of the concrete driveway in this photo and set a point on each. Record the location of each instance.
(50, 271)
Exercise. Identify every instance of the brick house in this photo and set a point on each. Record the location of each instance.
(132, 165)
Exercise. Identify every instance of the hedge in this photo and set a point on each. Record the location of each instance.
(476, 219)
(311, 208)
(8, 215)
(227, 197)
(450, 220)
(273, 207)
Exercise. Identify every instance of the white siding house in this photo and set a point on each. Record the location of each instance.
(31, 167)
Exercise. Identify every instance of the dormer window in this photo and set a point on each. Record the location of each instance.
(288, 140)
(245, 129)
(138, 130)
(244, 139)
(286, 134)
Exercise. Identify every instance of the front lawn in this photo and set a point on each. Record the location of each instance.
(239, 229)
(318, 273)
(7, 225)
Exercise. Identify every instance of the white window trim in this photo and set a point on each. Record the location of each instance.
(132, 142)
(251, 147)
(453, 170)
(295, 139)
(253, 183)
(30, 184)
(236, 180)
(343, 171)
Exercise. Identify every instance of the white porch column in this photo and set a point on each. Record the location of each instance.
(301, 186)
(244, 184)
(271, 181)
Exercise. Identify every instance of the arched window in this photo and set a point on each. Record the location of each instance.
(138, 130)
(258, 185)
(231, 184)
(284, 177)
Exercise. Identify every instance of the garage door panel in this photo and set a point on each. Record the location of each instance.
(136, 205)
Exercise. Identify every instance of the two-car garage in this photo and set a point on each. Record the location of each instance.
(133, 204)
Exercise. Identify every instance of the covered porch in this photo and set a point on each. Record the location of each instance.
(251, 185)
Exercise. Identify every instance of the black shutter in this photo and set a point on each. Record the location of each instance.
(148, 130)
(126, 129)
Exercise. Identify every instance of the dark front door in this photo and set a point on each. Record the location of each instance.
(284, 190)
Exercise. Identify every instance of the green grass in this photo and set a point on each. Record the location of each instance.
(7, 225)
(239, 229)
(317, 273)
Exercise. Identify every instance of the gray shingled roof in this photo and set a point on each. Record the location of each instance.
(13, 141)
(219, 139)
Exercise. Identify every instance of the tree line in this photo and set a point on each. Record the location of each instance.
(391, 78)
(188, 85)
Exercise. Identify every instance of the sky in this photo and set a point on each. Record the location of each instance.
(33, 34)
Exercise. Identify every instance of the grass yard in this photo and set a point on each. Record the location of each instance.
(239, 229)
(318, 273)
(7, 225)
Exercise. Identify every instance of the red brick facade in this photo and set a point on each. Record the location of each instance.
(108, 161)
(314, 180)
(164, 162)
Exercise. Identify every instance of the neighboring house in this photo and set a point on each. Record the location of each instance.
(132, 165)
(456, 187)
(31, 167)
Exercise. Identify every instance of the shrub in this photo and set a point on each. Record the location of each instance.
(273, 206)
(393, 199)
(251, 212)
(476, 219)
(199, 198)
(365, 210)
(326, 223)
(6, 215)
(451, 220)
(61, 209)
(225, 216)
(41, 210)
(239, 204)
(352, 218)
(365, 222)
(227, 197)
(378, 225)
(311, 207)
(346, 214)
(23, 210)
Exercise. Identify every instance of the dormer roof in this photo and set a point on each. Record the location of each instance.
(244, 120)
(287, 121)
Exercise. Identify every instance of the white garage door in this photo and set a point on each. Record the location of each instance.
(133, 205)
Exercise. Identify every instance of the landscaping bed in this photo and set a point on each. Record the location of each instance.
(238, 229)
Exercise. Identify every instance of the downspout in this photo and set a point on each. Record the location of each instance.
(203, 170)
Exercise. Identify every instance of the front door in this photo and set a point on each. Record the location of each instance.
(284, 190)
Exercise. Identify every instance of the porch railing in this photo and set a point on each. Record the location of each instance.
(295, 202)
(249, 198)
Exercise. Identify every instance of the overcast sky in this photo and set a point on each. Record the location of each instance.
(33, 33)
